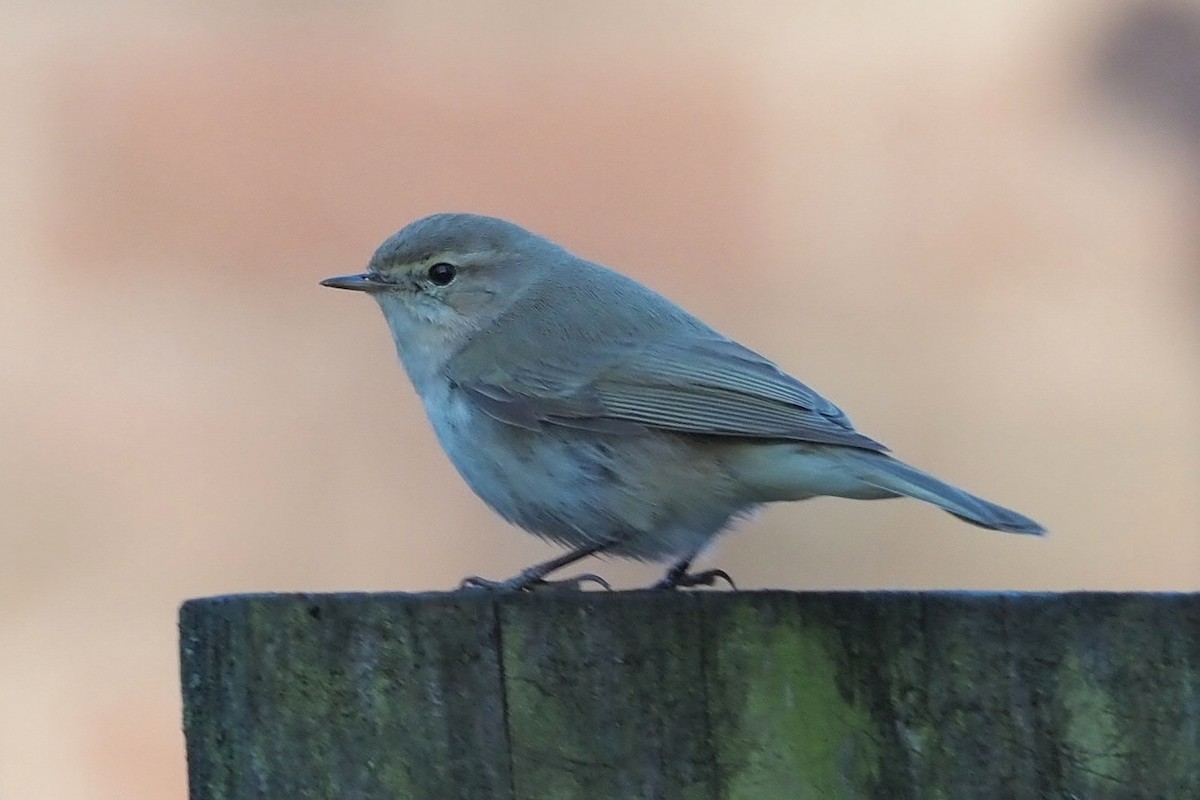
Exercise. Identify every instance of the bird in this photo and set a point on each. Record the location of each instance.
(593, 412)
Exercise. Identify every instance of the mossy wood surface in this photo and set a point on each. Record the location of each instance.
(704, 695)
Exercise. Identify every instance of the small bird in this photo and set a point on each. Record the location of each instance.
(593, 412)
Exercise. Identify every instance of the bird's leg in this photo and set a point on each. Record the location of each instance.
(535, 577)
(678, 577)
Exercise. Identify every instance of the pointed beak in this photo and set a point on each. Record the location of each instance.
(363, 282)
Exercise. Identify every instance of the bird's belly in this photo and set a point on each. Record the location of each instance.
(652, 496)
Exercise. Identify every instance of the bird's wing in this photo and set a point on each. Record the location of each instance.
(696, 384)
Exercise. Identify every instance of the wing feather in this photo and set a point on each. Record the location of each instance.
(698, 384)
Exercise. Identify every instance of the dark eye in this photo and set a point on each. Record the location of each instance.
(442, 273)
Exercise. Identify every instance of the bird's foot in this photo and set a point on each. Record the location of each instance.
(682, 579)
(534, 578)
(526, 582)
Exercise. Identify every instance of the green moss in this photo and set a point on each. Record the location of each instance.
(1093, 740)
(560, 667)
(789, 732)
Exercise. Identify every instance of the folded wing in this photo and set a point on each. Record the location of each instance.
(700, 385)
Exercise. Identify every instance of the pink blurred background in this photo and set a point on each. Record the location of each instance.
(973, 226)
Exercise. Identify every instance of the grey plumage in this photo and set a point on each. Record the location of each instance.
(590, 410)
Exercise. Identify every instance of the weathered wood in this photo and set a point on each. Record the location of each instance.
(709, 695)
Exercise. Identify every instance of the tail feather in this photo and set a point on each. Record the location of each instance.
(887, 473)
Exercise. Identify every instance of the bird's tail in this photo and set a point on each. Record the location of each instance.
(885, 472)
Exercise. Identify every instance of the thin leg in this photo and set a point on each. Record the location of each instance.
(678, 577)
(532, 577)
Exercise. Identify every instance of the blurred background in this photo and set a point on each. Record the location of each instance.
(971, 225)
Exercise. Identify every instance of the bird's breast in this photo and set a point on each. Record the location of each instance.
(657, 494)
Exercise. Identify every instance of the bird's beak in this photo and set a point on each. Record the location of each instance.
(363, 282)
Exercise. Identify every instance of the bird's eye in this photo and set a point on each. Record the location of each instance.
(442, 273)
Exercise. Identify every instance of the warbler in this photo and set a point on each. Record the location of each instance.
(591, 411)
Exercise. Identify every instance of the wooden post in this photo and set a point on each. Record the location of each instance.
(713, 695)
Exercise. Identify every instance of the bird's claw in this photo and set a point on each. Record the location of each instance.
(686, 580)
(534, 583)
